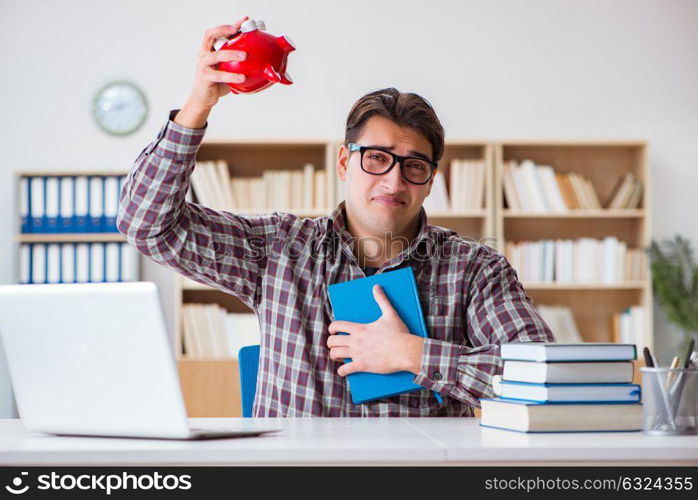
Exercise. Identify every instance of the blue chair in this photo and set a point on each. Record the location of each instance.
(248, 362)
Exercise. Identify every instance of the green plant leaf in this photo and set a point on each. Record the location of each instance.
(675, 281)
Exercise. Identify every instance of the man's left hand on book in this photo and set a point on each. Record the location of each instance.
(383, 346)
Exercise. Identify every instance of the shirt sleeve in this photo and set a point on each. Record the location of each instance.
(499, 311)
(213, 247)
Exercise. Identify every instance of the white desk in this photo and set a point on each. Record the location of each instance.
(454, 441)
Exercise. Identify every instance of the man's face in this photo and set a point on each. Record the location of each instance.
(387, 203)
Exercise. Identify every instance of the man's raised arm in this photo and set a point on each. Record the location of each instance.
(217, 248)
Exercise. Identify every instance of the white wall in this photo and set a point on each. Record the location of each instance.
(492, 69)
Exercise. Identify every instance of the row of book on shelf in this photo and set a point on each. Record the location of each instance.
(210, 331)
(539, 188)
(90, 203)
(69, 204)
(561, 387)
(583, 260)
(466, 183)
(527, 187)
(77, 262)
(298, 189)
(307, 188)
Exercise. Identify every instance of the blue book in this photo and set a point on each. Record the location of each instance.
(353, 301)
(571, 393)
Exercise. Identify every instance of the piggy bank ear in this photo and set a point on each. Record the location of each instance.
(219, 43)
(285, 43)
(271, 74)
(274, 76)
(249, 25)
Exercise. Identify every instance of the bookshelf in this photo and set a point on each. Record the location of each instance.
(62, 232)
(602, 162)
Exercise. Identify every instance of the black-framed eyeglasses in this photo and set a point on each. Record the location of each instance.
(377, 161)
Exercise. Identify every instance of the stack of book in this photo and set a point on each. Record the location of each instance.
(584, 260)
(549, 387)
(299, 189)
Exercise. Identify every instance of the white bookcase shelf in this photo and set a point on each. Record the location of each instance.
(603, 163)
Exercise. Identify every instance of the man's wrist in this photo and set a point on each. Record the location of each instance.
(192, 116)
(413, 359)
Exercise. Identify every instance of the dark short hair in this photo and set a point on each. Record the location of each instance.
(405, 109)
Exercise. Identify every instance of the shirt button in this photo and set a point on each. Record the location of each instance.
(437, 376)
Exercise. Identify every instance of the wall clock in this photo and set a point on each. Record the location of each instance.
(120, 108)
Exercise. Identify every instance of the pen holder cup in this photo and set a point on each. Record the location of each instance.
(669, 401)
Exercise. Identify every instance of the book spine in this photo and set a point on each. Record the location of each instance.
(422, 322)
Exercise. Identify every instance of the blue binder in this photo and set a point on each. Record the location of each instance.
(111, 203)
(51, 204)
(96, 220)
(25, 205)
(67, 217)
(81, 204)
(353, 301)
(37, 192)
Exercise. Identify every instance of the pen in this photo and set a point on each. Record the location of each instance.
(685, 362)
(689, 352)
(648, 358)
(670, 376)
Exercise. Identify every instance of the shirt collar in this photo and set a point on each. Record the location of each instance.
(336, 225)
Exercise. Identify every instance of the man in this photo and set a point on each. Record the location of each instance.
(470, 295)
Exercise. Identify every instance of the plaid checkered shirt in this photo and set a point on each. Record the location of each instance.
(280, 265)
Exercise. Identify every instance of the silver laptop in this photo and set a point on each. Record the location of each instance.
(94, 359)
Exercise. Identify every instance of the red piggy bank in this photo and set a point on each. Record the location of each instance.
(266, 58)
